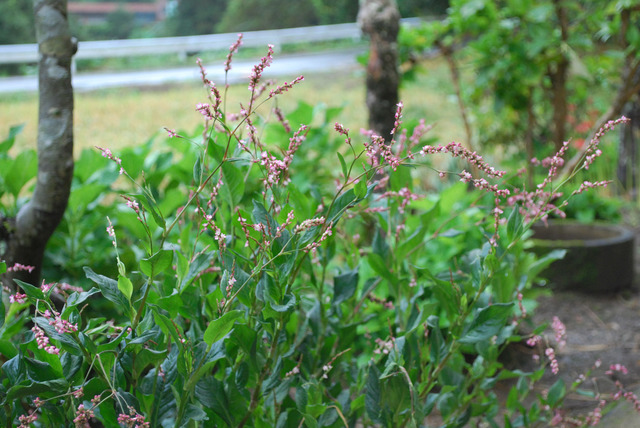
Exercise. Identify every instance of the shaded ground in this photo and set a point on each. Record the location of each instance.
(599, 327)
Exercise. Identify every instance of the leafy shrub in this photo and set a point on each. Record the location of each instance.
(267, 276)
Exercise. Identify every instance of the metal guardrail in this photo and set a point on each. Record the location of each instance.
(28, 53)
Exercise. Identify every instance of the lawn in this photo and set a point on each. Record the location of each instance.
(127, 116)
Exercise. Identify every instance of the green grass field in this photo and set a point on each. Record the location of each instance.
(128, 116)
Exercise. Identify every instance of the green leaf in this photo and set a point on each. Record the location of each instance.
(261, 215)
(556, 393)
(157, 263)
(514, 224)
(155, 212)
(233, 187)
(360, 189)
(109, 289)
(220, 327)
(7, 143)
(193, 413)
(30, 290)
(343, 164)
(46, 389)
(344, 286)
(125, 286)
(200, 263)
(372, 395)
(197, 170)
(487, 323)
(23, 169)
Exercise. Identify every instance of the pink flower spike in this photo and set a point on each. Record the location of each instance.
(232, 50)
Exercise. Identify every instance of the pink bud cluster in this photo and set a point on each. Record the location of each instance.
(18, 298)
(536, 205)
(282, 119)
(616, 368)
(398, 118)
(287, 223)
(276, 168)
(107, 154)
(340, 129)
(43, 341)
(285, 86)
(217, 233)
(378, 147)
(559, 331)
(314, 245)
(20, 267)
(593, 151)
(405, 195)
(383, 346)
(309, 223)
(83, 416)
(456, 150)
(232, 50)
(589, 185)
(628, 395)
(258, 69)
(551, 355)
(27, 420)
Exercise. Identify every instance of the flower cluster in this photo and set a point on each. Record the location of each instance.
(593, 151)
(285, 86)
(107, 154)
(83, 415)
(43, 341)
(18, 298)
(258, 69)
(457, 150)
(20, 267)
(232, 50)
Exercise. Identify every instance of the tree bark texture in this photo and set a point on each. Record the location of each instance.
(558, 75)
(27, 234)
(380, 20)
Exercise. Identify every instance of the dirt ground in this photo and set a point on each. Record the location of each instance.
(604, 327)
(599, 327)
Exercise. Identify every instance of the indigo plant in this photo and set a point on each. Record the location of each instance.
(271, 273)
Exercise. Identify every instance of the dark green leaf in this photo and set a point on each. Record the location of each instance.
(109, 289)
(344, 286)
(261, 215)
(30, 290)
(487, 323)
(372, 395)
(200, 263)
(514, 224)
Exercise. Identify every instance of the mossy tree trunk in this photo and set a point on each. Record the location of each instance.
(380, 20)
(26, 235)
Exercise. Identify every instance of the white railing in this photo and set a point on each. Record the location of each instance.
(28, 53)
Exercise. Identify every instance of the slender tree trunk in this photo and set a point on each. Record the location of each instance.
(380, 20)
(27, 234)
(628, 149)
(558, 76)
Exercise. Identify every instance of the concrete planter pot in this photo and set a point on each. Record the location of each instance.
(599, 256)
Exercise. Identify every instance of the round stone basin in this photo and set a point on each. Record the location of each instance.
(599, 256)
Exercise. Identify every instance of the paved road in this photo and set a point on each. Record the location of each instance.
(284, 67)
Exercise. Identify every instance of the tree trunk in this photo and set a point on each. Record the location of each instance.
(558, 76)
(380, 20)
(27, 234)
(628, 149)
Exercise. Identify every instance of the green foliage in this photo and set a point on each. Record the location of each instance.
(118, 24)
(266, 279)
(16, 22)
(251, 15)
(193, 17)
(526, 65)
